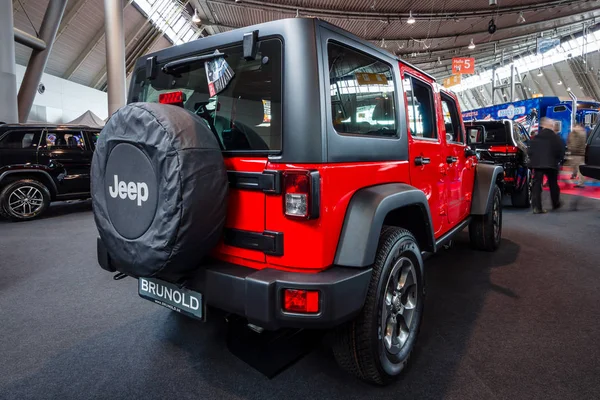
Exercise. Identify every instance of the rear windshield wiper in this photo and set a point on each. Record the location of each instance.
(173, 66)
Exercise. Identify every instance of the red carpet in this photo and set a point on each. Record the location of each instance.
(591, 189)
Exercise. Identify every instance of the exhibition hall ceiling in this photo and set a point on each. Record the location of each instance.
(441, 29)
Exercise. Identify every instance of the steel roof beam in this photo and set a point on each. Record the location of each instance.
(368, 15)
(29, 40)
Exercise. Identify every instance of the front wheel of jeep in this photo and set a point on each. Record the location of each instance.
(377, 345)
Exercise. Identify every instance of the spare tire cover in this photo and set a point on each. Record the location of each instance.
(159, 190)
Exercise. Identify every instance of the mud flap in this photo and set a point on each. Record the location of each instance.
(269, 352)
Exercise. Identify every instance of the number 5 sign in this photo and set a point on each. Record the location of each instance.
(463, 65)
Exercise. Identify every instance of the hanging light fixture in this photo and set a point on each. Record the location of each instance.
(540, 73)
(521, 18)
(471, 45)
(439, 61)
(411, 19)
(196, 17)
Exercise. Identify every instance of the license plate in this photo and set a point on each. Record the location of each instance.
(183, 301)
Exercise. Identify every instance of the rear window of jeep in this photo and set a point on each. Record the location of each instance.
(246, 115)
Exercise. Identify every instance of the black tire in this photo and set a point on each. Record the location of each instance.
(37, 200)
(485, 231)
(522, 199)
(359, 346)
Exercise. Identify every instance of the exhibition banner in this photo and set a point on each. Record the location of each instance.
(463, 65)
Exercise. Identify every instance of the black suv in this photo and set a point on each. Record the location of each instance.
(504, 143)
(43, 163)
(591, 168)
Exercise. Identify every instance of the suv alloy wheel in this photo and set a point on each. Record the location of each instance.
(24, 199)
(377, 345)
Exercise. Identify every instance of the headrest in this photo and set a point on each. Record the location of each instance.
(248, 112)
(384, 110)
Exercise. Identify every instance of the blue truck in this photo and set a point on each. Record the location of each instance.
(528, 112)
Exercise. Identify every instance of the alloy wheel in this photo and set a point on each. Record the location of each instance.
(399, 306)
(496, 218)
(25, 201)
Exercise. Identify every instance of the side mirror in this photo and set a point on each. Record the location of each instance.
(469, 152)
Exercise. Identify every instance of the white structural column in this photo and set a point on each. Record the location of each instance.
(8, 78)
(115, 54)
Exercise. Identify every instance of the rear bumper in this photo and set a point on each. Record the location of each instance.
(257, 295)
(591, 171)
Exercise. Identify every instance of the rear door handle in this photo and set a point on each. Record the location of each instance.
(422, 161)
(451, 160)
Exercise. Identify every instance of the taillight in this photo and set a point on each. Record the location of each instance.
(176, 98)
(301, 301)
(297, 194)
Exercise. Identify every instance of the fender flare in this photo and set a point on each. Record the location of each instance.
(486, 176)
(53, 189)
(364, 219)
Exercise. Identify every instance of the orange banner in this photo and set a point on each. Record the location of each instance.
(463, 65)
(452, 81)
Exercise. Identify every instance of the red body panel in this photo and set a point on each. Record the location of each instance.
(246, 208)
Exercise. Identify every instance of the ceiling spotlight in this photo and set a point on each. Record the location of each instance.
(196, 17)
(521, 18)
(411, 19)
(481, 89)
(540, 73)
(471, 45)
(493, 3)
(559, 83)
(568, 89)
(439, 61)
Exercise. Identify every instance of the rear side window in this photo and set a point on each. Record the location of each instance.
(65, 140)
(421, 115)
(496, 133)
(451, 120)
(20, 140)
(246, 115)
(362, 93)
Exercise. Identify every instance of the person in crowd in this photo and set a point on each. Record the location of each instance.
(546, 151)
(576, 145)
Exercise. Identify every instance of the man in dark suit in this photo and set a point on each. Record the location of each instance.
(546, 152)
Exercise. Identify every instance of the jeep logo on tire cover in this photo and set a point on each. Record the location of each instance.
(130, 190)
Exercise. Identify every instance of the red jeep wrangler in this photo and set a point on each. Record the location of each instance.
(292, 174)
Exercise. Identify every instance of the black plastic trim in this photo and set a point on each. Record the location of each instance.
(315, 205)
(268, 181)
(486, 176)
(366, 212)
(257, 294)
(450, 234)
(31, 171)
(268, 242)
(591, 171)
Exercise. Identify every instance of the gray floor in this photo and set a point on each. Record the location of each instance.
(520, 323)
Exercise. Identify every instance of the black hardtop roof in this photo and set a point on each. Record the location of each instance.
(270, 28)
